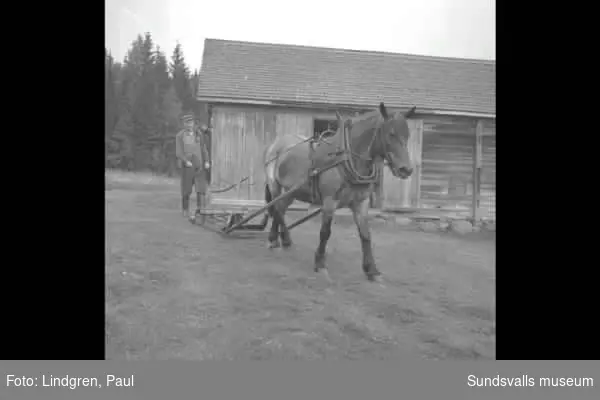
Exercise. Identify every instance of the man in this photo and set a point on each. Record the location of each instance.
(190, 150)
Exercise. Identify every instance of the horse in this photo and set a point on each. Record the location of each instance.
(338, 172)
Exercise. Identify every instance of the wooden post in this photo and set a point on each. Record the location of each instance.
(477, 154)
(209, 124)
(251, 180)
(417, 159)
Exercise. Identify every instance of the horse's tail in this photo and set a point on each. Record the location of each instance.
(268, 195)
(269, 177)
(268, 198)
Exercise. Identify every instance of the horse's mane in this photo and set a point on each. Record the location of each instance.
(367, 116)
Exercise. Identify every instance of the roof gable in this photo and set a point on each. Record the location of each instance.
(301, 74)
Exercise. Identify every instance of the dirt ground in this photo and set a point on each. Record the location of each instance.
(174, 290)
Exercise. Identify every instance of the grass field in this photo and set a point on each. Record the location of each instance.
(174, 290)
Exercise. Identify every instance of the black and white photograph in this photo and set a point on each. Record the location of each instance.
(308, 180)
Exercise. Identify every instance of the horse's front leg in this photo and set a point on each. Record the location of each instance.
(360, 213)
(327, 211)
(286, 239)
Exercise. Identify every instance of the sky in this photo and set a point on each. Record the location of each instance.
(446, 28)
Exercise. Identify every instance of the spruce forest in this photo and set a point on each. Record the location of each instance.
(145, 95)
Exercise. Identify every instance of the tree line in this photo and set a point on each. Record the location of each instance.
(145, 95)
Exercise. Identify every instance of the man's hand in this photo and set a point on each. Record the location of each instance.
(188, 163)
(206, 165)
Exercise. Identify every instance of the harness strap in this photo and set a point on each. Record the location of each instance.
(350, 169)
(346, 161)
(313, 177)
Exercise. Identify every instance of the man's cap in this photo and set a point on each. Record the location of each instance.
(187, 118)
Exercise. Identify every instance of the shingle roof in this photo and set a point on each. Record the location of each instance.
(301, 74)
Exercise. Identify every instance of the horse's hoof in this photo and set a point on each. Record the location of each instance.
(286, 245)
(376, 278)
(319, 266)
(320, 262)
(325, 273)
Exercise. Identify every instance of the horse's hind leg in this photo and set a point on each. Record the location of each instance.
(360, 214)
(286, 240)
(327, 211)
(274, 232)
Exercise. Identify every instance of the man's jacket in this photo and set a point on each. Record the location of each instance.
(190, 147)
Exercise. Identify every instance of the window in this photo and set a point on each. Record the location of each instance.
(322, 125)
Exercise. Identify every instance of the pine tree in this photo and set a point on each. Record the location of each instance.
(163, 84)
(161, 72)
(144, 98)
(181, 78)
(162, 119)
(111, 109)
(194, 82)
(138, 99)
(121, 145)
(145, 102)
(110, 95)
(172, 111)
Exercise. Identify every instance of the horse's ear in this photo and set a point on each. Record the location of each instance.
(338, 115)
(410, 112)
(383, 111)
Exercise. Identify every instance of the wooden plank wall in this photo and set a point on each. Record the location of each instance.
(441, 149)
(397, 193)
(294, 124)
(239, 139)
(487, 206)
(448, 149)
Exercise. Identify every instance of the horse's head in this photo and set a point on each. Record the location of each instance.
(393, 142)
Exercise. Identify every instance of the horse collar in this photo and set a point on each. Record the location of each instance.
(348, 164)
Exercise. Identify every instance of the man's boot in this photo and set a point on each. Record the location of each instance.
(200, 204)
